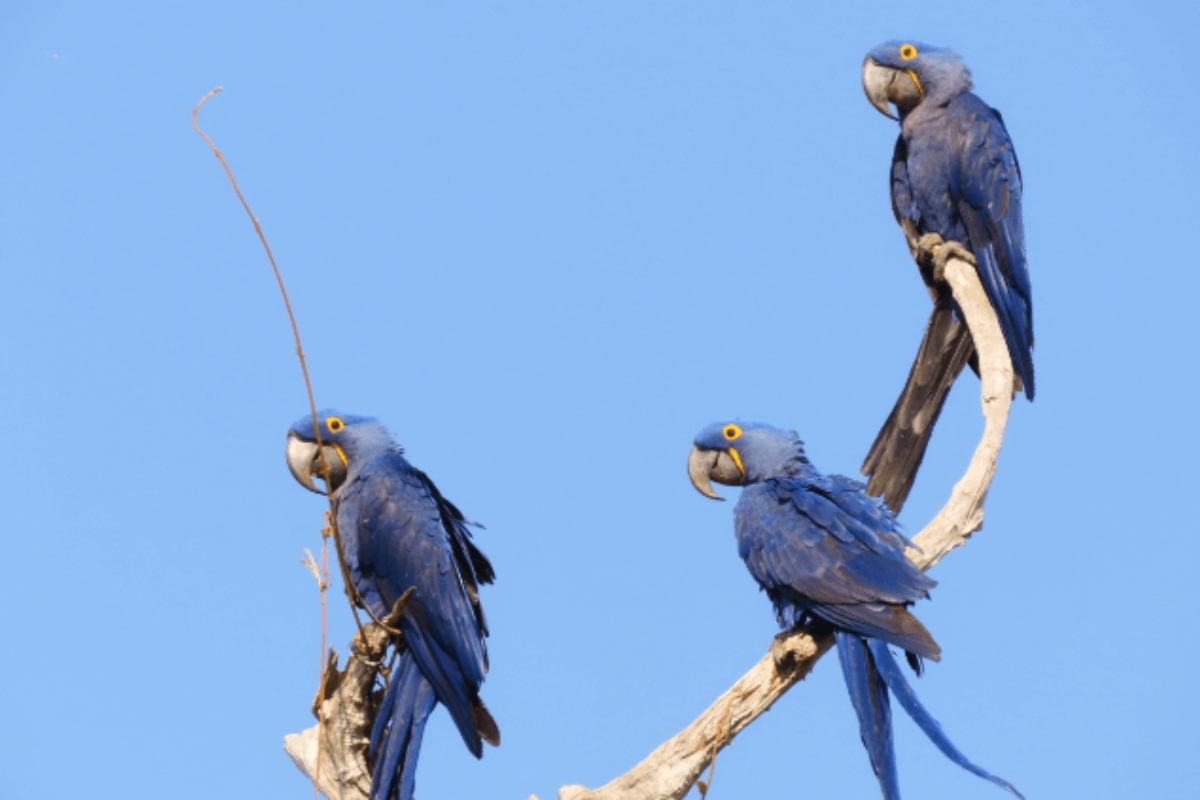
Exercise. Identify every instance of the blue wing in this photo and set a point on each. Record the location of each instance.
(904, 204)
(406, 535)
(970, 192)
(820, 544)
(985, 184)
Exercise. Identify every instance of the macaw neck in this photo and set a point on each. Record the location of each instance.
(368, 442)
(788, 462)
(940, 89)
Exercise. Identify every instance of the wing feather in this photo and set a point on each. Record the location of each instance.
(407, 535)
(822, 544)
(985, 184)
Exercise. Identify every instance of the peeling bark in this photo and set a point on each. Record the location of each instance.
(349, 711)
(349, 708)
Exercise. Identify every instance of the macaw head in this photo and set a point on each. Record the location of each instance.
(344, 442)
(742, 453)
(907, 74)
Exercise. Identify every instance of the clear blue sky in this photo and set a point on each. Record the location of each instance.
(546, 243)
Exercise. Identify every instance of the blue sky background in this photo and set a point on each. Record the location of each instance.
(547, 243)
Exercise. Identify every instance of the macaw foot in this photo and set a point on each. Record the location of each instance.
(783, 649)
(927, 246)
(923, 249)
(392, 621)
(932, 252)
(797, 645)
(944, 253)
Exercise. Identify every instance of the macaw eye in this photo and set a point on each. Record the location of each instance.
(334, 424)
(908, 52)
(732, 432)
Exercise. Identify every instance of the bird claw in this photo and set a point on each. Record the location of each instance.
(784, 649)
(927, 246)
(932, 252)
(393, 619)
(944, 253)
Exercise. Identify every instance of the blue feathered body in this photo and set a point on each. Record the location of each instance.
(822, 548)
(399, 533)
(955, 173)
(818, 544)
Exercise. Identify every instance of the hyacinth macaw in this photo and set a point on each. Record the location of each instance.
(954, 174)
(398, 532)
(823, 549)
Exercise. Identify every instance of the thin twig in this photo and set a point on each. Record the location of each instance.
(321, 574)
(712, 759)
(312, 405)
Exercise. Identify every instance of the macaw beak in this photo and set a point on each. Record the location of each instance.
(885, 85)
(304, 460)
(706, 465)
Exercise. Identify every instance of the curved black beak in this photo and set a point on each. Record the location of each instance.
(705, 466)
(304, 460)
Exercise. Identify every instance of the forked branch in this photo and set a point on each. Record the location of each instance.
(669, 772)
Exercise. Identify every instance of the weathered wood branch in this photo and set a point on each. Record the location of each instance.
(669, 772)
(349, 708)
(349, 714)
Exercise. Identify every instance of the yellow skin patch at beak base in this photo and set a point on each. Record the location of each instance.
(912, 73)
(342, 455)
(737, 459)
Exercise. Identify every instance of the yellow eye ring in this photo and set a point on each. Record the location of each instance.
(732, 432)
(334, 424)
(908, 52)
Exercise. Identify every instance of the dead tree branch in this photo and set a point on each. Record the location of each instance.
(669, 772)
(350, 705)
(349, 714)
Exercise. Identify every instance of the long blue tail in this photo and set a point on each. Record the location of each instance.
(870, 670)
(869, 695)
(399, 728)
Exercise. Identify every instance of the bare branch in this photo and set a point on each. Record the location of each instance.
(669, 772)
(347, 703)
(673, 768)
(349, 712)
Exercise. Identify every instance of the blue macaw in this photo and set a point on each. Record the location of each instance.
(397, 533)
(825, 550)
(954, 174)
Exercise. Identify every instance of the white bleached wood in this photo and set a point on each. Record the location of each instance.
(349, 714)
(669, 772)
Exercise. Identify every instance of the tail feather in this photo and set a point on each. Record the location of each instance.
(447, 680)
(399, 729)
(869, 695)
(890, 672)
(893, 623)
(896, 455)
